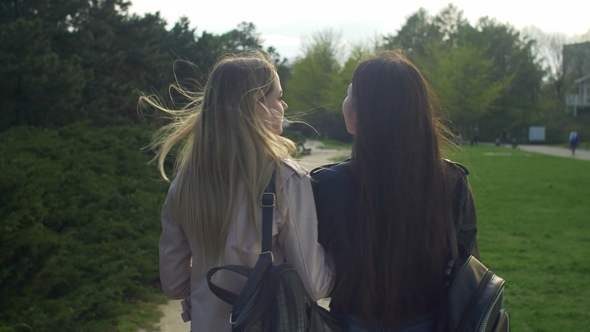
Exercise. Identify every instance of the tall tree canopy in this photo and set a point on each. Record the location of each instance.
(319, 82)
(486, 74)
(62, 61)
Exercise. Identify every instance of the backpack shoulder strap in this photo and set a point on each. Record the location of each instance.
(459, 198)
(268, 202)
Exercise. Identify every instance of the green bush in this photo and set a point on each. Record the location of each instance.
(79, 226)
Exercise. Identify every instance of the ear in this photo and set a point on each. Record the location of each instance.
(350, 120)
(260, 109)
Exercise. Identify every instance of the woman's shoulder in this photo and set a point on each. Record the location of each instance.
(331, 171)
(457, 167)
(172, 188)
(290, 167)
(292, 173)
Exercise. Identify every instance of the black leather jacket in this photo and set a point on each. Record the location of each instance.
(335, 198)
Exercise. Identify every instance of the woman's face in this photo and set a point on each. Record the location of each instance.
(349, 112)
(273, 111)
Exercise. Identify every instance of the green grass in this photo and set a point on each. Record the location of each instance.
(534, 231)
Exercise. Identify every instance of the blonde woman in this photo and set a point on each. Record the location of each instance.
(231, 146)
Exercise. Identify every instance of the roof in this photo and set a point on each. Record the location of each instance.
(583, 79)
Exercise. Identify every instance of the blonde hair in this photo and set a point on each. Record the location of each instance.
(225, 144)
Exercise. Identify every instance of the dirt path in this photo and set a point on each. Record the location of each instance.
(320, 156)
(556, 151)
(171, 321)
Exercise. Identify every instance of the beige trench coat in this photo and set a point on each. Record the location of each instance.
(294, 241)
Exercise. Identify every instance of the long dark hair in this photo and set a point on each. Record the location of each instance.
(395, 270)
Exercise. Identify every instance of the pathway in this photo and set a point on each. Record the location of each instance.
(556, 151)
(320, 156)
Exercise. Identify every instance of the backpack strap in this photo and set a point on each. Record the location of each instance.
(460, 196)
(255, 274)
(268, 203)
(266, 258)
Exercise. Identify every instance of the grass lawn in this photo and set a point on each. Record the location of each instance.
(534, 231)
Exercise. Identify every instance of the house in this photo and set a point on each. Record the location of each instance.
(576, 68)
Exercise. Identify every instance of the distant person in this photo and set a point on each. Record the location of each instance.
(383, 213)
(574, 140)
(504, 136)
(231, 146)
(474, 136)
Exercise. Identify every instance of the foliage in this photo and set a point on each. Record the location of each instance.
(413, 34)
(513, 57)
(73, 60)
(533, 232)
(79, 218)
(319, 82)
(314, 72)
(549, 51)
(37, 85)
(462, 78)
(486, 75)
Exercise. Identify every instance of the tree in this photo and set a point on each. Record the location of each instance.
(68, 60)
(340, 81)
(319, 82)
(513, 57)
(313, 76)
(462, 79)
(37, 86)
(414, 34)
(282, 65)
(548, 49)
(450, 24)
(314, 71)
(248, 39)
(433, 40)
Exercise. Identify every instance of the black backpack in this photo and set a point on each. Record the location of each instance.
(274, 297)
(473, 300)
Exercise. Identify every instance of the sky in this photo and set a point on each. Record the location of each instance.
(285, 24)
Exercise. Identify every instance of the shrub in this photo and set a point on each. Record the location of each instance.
(79, 226)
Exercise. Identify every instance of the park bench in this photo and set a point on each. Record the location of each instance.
(302, 150)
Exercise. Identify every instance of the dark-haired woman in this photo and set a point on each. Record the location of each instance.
(383, 212)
